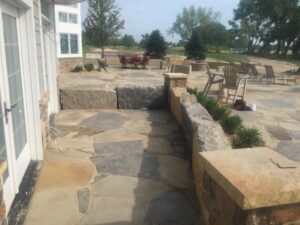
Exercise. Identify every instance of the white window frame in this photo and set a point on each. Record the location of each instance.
(73, 14)
(69, 44)
(67, 16)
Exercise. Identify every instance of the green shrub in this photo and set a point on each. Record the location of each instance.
(201, 98)
(220, 112)
(192, 91)
(248, 138)
(231, 124)
(215, 109)
(77, 69)
(89, 67)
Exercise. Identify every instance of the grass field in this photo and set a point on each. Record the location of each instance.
(224, 55)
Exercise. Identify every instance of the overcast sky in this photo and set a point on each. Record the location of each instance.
(143, 16)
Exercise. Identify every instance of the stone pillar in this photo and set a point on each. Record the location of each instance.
(173, 80)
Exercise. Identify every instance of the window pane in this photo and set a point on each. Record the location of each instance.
(72, 18)
(63, 17)
(64, 44)
(74, 43)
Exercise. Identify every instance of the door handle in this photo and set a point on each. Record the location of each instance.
(8, 110)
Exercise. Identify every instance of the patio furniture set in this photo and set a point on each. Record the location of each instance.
(233, 77)
(134, 61)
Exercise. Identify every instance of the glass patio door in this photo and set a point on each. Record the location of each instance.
(13, 109)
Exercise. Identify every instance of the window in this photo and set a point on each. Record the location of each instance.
(64, 44)
(63, 17)
(45, 9)
(74, 43)
(68, 43)
(72, 18)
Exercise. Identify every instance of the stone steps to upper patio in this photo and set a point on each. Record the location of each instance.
(115, 167)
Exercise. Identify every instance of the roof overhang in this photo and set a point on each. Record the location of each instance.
(67, 2)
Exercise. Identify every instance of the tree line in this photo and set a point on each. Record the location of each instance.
(258, 26)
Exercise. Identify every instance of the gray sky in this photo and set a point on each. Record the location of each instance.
(143, 16)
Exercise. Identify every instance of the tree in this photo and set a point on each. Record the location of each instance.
(156, 44)
(128, 40)
(144, 40)
(191, 18)
(194, 48)
(268, 22)
(103, 21)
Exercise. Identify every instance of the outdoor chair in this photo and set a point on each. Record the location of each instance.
(213, 78)
(254, 73)
(238, 68)
(233, 83)
(270, 75)
(102, 65)
(245, 67)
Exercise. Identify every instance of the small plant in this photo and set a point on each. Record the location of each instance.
(77, 69)
(192, 91)
(89, 67)
(248, 138)
(220, 112)
(201, 98)
(231, 124)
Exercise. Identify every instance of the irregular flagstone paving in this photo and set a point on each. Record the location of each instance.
(116, 167)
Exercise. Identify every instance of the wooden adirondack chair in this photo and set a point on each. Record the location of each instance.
(213, 78)
(245, 67)
(233, 83)
(238, 68)
(270, 73)
(254, 73)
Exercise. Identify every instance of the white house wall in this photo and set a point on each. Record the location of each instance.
(69, 28)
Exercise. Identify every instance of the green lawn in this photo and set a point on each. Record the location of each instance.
(227, 56)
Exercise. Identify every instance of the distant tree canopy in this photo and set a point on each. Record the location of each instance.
(194, 48)
(156, 44)
(144, 40)
(127, 41)
(269, 22)
(205, 21)
(103, 22)
(190, 18)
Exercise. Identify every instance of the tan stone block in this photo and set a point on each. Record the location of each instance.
(254, 178)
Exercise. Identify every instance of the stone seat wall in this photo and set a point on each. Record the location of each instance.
(234, 187)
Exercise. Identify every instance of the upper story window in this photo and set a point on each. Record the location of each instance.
(63, 17)
(68, 17)
(72, 18)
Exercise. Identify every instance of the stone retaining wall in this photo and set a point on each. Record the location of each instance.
(110, 98)
(141, 97)
(234, 187)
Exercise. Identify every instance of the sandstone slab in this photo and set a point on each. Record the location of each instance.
(58, 174)
(171, 208)
(175, 171)
(128, 187)
(104, 121)
(55, 206)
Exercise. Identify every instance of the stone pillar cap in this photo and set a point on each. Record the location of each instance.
(254, 178)
(176, 75)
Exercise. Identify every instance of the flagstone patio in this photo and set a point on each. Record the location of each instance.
(115, 167)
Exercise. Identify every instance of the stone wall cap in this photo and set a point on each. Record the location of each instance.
(254, 178)
(176, 75)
